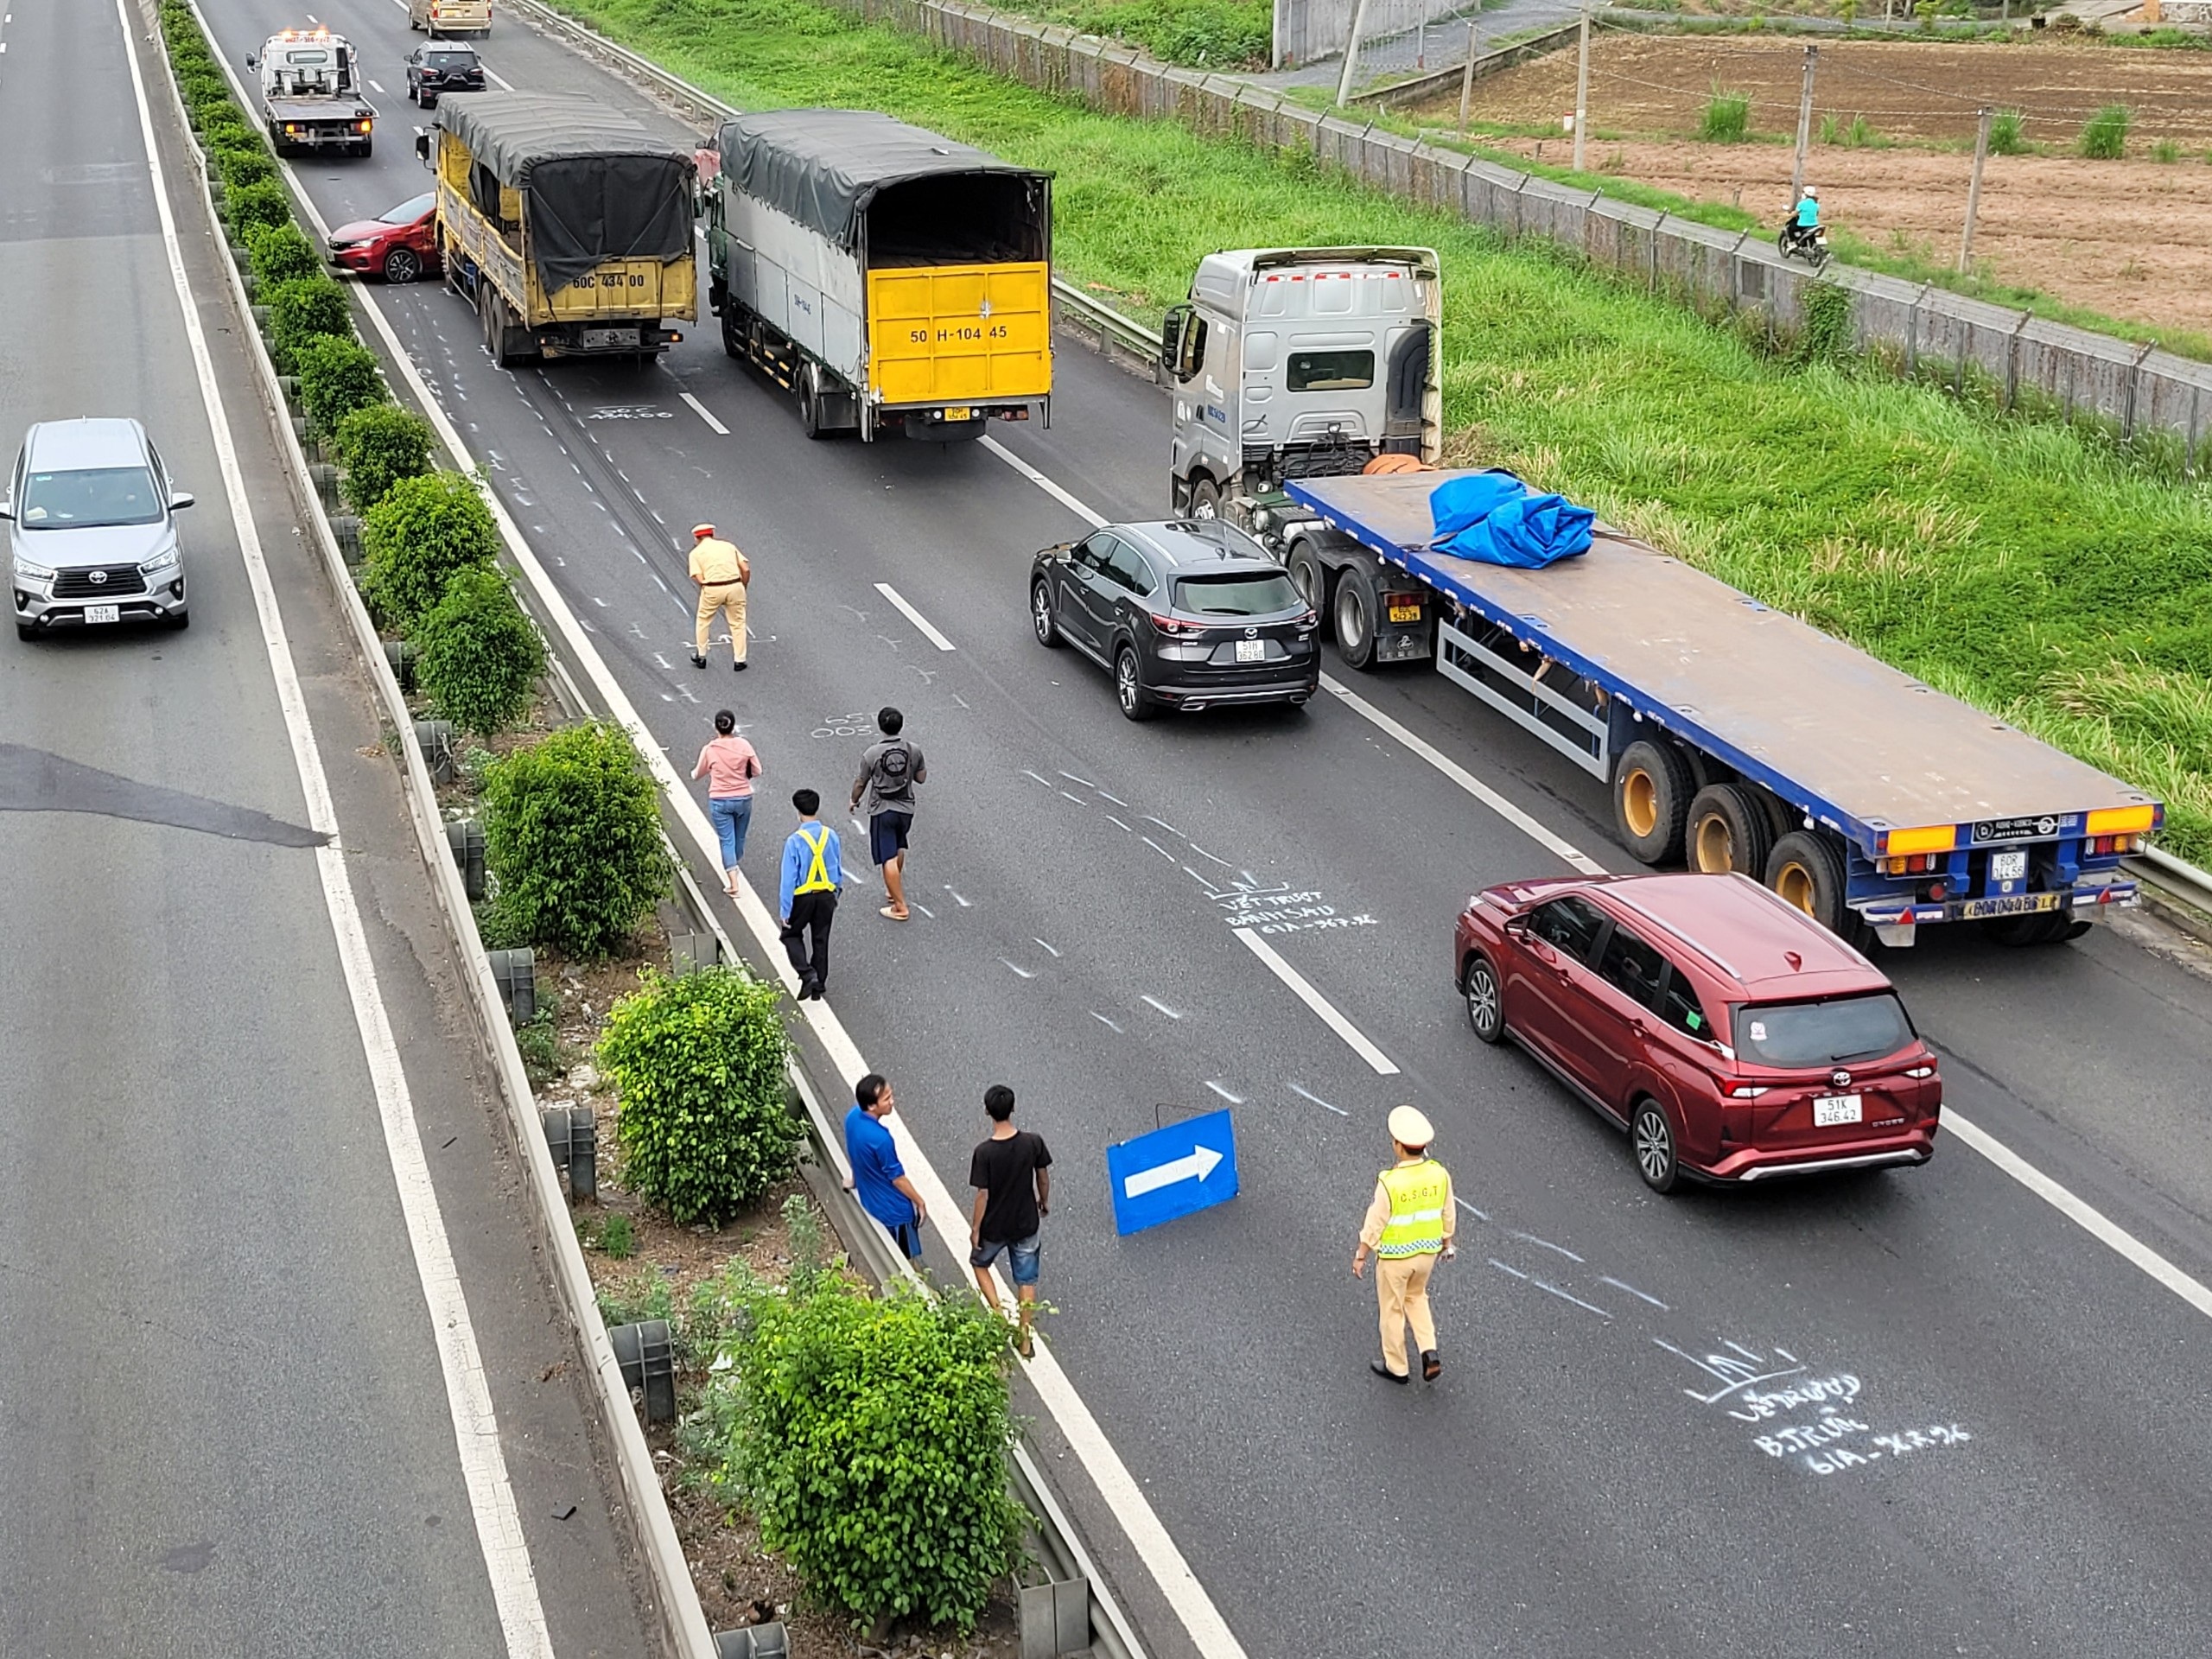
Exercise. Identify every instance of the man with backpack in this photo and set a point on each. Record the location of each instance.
(889, 771)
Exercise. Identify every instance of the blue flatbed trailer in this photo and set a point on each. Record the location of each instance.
(1866, 798)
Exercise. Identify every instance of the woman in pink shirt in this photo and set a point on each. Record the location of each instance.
(729, 766)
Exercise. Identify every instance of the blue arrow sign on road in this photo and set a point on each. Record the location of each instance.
(1186, 1167)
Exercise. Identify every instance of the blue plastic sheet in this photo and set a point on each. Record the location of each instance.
(1491, 518)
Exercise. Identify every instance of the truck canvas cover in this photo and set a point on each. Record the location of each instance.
(599, 186)
(824, 167)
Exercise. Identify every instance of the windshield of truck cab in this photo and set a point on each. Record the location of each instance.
(1255, 594)
(1842, 1031)
(409, 211)
(1331, 371)
(94, 496)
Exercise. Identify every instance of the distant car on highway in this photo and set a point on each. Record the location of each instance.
(399, 246)
(1186, 614)
(1731, 1035)
(441, 68)
(93, 529)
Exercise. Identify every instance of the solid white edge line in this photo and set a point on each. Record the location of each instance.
(468, 1396)
(2083, 1215)
(1209, 1632)
(914, 616)
(704, 413)
(1331, 1017)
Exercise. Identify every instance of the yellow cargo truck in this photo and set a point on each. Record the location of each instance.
(567, 226)
(888, 278)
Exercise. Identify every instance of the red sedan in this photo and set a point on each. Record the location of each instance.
(1730, 1035)
(399, 246)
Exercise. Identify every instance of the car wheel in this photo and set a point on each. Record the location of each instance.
(1485, 1006)
(402, 265)
(1807, 872)
(1728, 831)
(1129, 688)
(1652, 1138)
(25, 631)
(1040, 612)
(178, 620)
(1652, 786)
(1205, 499)
(1311, 577)
(1355, 613)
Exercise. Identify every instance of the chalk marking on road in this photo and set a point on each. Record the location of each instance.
(1757, 1359)
(915, 617)
(1157, 847)
(1168, 826)
(1024, 972)
(704, 413)
(1104, 1021)
(1502, 1267)
(1042, 482)
(1077, 799)
(957, 899)
(1784, 1352)
(1041, 945)
(1039, 777)
(1116, 799)
(1382, 1063)
(1117, 822)
(1072, 778)
(1216, 857)
(1154, 1001)
(1480, 1215)
(468, 1396)
(1211, 892)
(1234, 1100)
(1309, 1095)
(1530, 1238)
(1622, 1284)
(1566, 1296)
(924, 909)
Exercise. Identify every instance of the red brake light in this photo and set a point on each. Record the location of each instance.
(1169, 625)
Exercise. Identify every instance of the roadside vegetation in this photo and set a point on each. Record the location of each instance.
(2038, 570)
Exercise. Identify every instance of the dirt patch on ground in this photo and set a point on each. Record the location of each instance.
(2132, 238)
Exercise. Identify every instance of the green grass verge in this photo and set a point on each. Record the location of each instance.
(1201, 33)
(2023, 565)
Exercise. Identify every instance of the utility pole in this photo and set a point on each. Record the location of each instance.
(1420, 42)
(1804, 125)
(1582, 84)
(1351, 52)
(1973, 189)
(1467, 74)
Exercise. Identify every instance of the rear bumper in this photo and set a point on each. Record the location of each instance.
(1184, 694)
(1749, 1164)
(2080, 901)
(340, 138)
(617, 337)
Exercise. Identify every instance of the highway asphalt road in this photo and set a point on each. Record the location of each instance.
(223, 1426)
(1589, 1477)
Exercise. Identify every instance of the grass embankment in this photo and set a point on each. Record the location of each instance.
(1201, 33)
(2023, 566)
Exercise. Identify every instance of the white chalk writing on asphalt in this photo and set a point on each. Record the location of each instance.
(1825, 1442)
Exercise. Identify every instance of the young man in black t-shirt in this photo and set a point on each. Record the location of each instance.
(1011, 1174)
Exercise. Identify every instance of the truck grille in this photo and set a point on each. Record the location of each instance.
(115, 582)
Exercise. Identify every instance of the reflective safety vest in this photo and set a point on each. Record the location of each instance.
(817, 873)
(1418, 1195)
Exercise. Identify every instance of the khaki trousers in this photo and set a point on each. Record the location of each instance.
(727, 598)
(1402, 1287)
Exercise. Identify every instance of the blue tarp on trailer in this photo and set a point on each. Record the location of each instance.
(1493, 518)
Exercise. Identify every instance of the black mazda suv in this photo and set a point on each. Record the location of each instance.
(442, 67)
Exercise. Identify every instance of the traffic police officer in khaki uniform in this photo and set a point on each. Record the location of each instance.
(1408, 1225)
(721, 573)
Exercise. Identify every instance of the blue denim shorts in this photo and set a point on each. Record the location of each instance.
(1021, 1254)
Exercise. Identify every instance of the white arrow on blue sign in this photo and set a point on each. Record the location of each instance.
(1172, 1172)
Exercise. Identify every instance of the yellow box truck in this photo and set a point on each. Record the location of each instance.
(566, 224)
(889, 278)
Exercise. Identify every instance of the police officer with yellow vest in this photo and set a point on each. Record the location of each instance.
(813, 871)
(1408, 1225)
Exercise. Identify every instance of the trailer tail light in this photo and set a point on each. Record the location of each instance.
(1918, 864)
(2121, 820)
(2104, 846)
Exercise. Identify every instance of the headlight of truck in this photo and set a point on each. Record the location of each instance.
(165, 560)
(30, 571)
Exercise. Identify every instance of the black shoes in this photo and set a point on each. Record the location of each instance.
(738, 666)
(811, 988)
(698, 659)
(1385, 1373)
(1432, 1366)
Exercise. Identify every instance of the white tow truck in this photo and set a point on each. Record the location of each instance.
(311, 93)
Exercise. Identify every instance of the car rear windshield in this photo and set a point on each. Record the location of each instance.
(462, 59)
(1331, 370)
(1259, 594)
(1840, 1031)
(94, 496)
(408, 211)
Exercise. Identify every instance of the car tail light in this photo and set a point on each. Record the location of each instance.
(1747, 1091)
(1308, 620)
(1921, 1073)
(1176, 628)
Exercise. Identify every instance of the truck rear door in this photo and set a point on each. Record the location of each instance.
(955, 334)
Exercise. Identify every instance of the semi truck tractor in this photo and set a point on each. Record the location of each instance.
(1732, 736)
(311, 93)
(889, 279)
(566, 224)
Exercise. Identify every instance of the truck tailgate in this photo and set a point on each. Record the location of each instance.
(960, 334)
(631, 289)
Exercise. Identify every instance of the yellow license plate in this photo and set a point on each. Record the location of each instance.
(1405, 612)
(2018, 904)
(959, 412)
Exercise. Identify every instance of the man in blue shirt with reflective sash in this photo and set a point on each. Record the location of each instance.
(813, 873)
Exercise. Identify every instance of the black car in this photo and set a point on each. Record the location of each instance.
(442, 66)
(1186, 614)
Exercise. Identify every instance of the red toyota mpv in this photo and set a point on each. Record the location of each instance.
(1731, 1035)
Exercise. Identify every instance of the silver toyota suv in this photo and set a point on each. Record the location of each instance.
(93, 531)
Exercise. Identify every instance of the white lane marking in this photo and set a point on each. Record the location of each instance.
(497, 80)
(1318, 1101)
(915, 617)
(468, 1394)
(1382, 1063)
(377, 89)
(704, 413)
(1042, 482)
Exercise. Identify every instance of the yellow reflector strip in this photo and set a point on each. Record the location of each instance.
(2120, 820)
(1935, 838)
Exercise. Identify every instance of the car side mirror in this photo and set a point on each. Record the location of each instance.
(180, 499)
(1517, 927)
(1171, 337)
(7, 509)
(251, 63)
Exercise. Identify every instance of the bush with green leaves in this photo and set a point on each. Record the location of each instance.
(572, 834)
(705, 1126)
(419, 537)
(477, 654)
(254, 205)
(202, 89)
(868, 1436)
(281, 253)
(304, 308)
(238, 167)
(337, 376)
(379, 446)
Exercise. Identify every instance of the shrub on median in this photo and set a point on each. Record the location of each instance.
(337, 376)
(379, 446)
(281, 253)
(419, 537)
(238, 167)
(572, 834)
(302, 309)
(705, 1128)
(476, 653)
(253, 206)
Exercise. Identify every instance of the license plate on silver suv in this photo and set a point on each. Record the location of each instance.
(609, 339)
(1829, 1109)
(103, 613)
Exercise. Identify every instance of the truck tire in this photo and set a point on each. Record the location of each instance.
(806, 391)
(1781, 817)
(2044, 927)
(1652, 788)
(1728, 831)
(1205, 499)
(1807, 872)
(1311, 577)
(732, 337)
(1354, 611)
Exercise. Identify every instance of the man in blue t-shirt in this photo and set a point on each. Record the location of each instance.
(879, 1178)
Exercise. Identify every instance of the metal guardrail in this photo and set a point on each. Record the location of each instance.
(2186, 890)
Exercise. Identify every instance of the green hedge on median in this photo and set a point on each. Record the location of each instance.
(476, 653)
(337, 376)
(305, 308)
(279, 254)
(419, 537)
(377, 446)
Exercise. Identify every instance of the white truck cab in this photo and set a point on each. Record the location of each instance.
(1300, 362)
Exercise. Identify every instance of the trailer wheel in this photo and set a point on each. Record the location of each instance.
(1355, 613)
(1311, 577)
(1728, 831)
(2042, 927)
(1651, 799)
(1205, 499)
(1804, 870)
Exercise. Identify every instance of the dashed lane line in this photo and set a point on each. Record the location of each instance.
(704, 413)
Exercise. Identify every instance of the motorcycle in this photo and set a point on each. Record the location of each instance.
(1811, 246)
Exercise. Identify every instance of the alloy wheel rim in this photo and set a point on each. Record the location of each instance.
(1125, 679)
(1481, 1000)
(1040, 610)
(1652, 1150)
